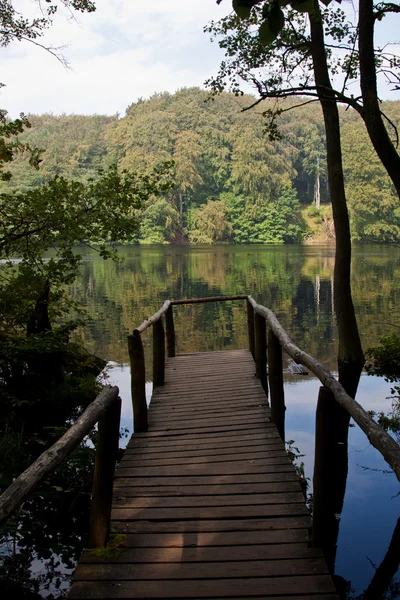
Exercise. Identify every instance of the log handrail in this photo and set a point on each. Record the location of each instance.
(153, 319)
(100, 408)
(378, 437)
(209, 299)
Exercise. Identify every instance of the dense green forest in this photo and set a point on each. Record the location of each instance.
(231, 183)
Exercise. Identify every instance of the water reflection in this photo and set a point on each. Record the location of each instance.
(370, 508)
(296, 282)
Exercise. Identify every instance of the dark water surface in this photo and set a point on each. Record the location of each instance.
(297, 283)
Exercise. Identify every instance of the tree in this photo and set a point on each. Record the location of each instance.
(187, 158)
(209, 223)
(372, 114)
(57, 216)
(373, 202)
(295, 61)
(15, 27)
(363, 63)
(60, 213)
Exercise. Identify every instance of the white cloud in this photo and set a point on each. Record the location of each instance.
(124, 50)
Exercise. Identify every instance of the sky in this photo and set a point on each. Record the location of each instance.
(125, 50)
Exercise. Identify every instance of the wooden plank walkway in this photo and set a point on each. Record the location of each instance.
(208, 501)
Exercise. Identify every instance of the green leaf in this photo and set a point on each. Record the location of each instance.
(243, 12)
(303, 5)
(265, 33)
(243, 7)
(276, 18)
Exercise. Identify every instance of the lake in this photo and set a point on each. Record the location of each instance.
(296, 282)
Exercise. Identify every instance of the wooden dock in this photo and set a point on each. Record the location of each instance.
(207, 500)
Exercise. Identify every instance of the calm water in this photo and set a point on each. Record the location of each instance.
(297, 283)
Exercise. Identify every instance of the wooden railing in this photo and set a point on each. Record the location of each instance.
(267, 354)
(160, 336)
(106, 411)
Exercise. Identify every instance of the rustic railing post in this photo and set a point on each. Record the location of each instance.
(158, 353)
(102, 491)
(250, 327)
(330, 473)
(275, 377)
(138, 382)
(260, 347)
(170, 331)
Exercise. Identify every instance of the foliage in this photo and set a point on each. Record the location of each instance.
(294, 455)
(373, 202)
(43, 541)
(278, 221)
(384, 361)
(219, 152)
(275, 34)
(10, 146)
(44, 378)
(209, 223)
(159, 223)
(16, 27)
(58, 215)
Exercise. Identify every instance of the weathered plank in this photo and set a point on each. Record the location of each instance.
(195, 432)
(195, 527)
(204, 512)
(200, 570)
(126, 500)
(205, 588)
(212, 490)
(241, 448)
(198, 540)
(205, 553)
(131, 460)
(213, 441)
(287, 475)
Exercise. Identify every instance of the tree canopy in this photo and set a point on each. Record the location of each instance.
(220, 155)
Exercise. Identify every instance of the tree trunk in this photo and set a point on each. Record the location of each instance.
(372, 114)
(317, 189)
(350, 355)
(39, 320)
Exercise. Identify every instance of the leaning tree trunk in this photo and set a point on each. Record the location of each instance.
(372, 114)
(350, 355)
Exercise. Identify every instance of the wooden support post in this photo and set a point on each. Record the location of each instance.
(138, 383)
(158, 353)
(330, 473)
(260, 347)
(170, 330)
(275, 377)
(102, 491)
(250, 327)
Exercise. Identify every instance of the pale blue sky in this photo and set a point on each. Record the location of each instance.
(125, 50)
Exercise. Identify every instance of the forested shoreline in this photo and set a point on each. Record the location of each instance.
(231, 183)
